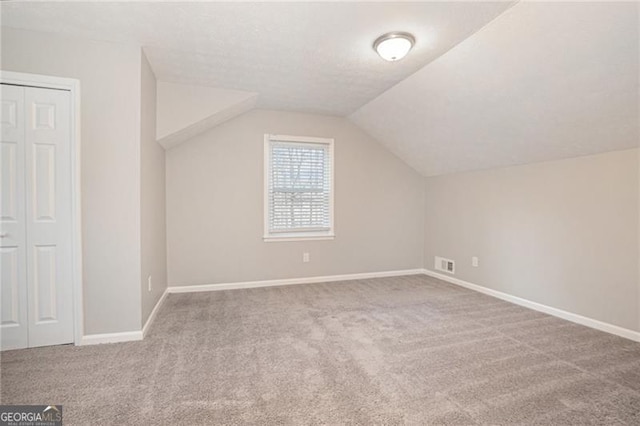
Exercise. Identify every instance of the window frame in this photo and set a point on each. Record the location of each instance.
(269, 236)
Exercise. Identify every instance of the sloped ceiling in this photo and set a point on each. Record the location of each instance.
(184, 111)
(488, 84)
(543, 81)
(181, 105)
(303, 56)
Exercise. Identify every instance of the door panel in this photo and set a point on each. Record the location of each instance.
(13, 251)
(44, 188)
(45, 295)
(10, 314)
(9, 196)
(48, 213)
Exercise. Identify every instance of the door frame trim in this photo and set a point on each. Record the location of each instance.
(72, 85)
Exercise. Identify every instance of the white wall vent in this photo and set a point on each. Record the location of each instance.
(445, 265)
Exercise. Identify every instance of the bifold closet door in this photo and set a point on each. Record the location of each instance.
(39, 293)
(13, 229)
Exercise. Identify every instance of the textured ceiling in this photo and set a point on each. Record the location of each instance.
(314, 57)
(543, 81)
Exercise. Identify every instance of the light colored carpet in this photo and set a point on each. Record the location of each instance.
(407, 350)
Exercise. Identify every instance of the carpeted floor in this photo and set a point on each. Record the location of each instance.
(407, 350)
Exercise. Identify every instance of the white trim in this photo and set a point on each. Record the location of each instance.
(292, 236)
(291, 281)
(569, 316)
(73, 86)
(154, 312)
(38, 80)
(302, 139)
(97, 339)
(126, 336)
(302, 236)
(266, 171)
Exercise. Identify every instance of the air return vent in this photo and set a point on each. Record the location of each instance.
(445, 265)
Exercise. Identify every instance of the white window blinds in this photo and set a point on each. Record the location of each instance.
(299, 174)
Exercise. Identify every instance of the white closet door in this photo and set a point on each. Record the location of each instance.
(48, 216)
(36, 298)
(13, 250)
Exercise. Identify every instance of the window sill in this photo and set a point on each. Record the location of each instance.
(298, 236)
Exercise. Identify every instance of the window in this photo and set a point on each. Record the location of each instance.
(298, 177)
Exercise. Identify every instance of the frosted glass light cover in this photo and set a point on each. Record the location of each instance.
(393, 48)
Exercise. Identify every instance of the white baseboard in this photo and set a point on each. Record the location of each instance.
(126, 336)
(97, 339)
(93, 339)
(291, 281)
(130, 336)
(569, 316)
(154, 312)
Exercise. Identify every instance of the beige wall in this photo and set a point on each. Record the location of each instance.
(152, 198)
(561, 233)
(215, 205)
(109, 77)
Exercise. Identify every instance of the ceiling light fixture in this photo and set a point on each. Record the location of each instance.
(394, 46)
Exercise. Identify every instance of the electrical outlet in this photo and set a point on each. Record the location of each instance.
(474, 262)
(305, 257)
(149, 283)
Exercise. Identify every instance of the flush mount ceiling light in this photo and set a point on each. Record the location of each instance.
(394, 46)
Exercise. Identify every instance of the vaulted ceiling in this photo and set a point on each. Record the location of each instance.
(312, 57)
(543, 81)
(488, 84)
